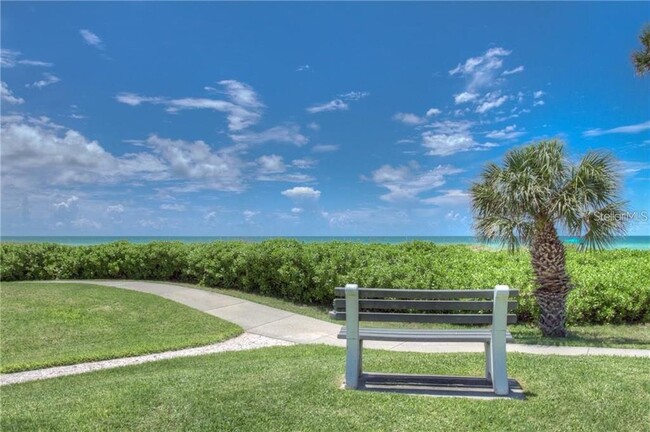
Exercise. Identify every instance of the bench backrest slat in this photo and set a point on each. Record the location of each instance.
(426, 306)
(423, 305)
(425, 318)
(426, 294)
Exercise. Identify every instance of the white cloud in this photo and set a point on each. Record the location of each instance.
(115, 209)
(241, 94)
(271, 164)
(465, 97)
(243, 110)
(354, 95)
(135, 100)
(409, 118)
(173, 207)
(452, 197)
(513, 71)
(481, 71)
(405, 183)
(324, 148)
(249, 214)
(432, 112)
(288, 133)
(296, 210)
(211, 216)
(333, 105)
(48, 79)
(632, 167)
(91, 38)
(313, 126)
(7, 95)
(199, 163)
(338, 104)
(509, 132)
(538, 103)
(66, 204)
(629, 129)
(10, 58)
(538, 94)
(491, 101)
(37, 152)
(449, 144)
(303, 163)
(302, 192)
(303, 68)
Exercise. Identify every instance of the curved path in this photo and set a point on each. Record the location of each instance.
(267, 326)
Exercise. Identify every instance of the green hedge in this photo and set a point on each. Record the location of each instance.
(611, 286)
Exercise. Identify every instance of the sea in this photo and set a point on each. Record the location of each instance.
(627, 242)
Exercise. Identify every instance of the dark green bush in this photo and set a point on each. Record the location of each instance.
(610, 286)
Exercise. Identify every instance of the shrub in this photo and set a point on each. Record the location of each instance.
(610, 286)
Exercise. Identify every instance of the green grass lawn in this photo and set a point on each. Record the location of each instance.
(45, 324)
(608, 335)
(298, 388)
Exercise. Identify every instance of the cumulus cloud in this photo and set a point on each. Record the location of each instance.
(490, 101)
(481, 71)
(198, 163)
(287, 133)
(333, 105)
(302, 192)
(409, 119)
(406, 182)
(249, 214)
(48, 79)
(271, 164)
(628, 129)
(91, 38)
(66, 204)
(441, 144)
(465, 97)
(509, 132)
(538, 94)
(433, 112)
(296, 210)
(36, 151)
(7, 95)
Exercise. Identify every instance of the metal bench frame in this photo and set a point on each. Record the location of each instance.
(494, 339)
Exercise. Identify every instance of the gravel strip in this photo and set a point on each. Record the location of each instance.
(246, 341)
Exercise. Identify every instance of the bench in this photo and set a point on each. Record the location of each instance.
(354, 304)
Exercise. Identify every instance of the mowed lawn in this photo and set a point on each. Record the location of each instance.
(298, 388)
(49, 324)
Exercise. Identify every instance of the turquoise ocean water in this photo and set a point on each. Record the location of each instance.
(628, 242)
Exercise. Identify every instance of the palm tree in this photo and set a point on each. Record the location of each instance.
(537, 191)
(641, 58)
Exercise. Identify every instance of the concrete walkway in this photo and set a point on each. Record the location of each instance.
(287, 326)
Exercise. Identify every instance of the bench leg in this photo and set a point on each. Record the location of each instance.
(488, 362)
(353, 363)
(498, 363)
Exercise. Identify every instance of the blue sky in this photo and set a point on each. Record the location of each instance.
(302, 118)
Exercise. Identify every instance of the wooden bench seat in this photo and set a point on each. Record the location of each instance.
(466, 307)
(418, 335)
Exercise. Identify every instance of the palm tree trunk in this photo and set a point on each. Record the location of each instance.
(553, 285)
